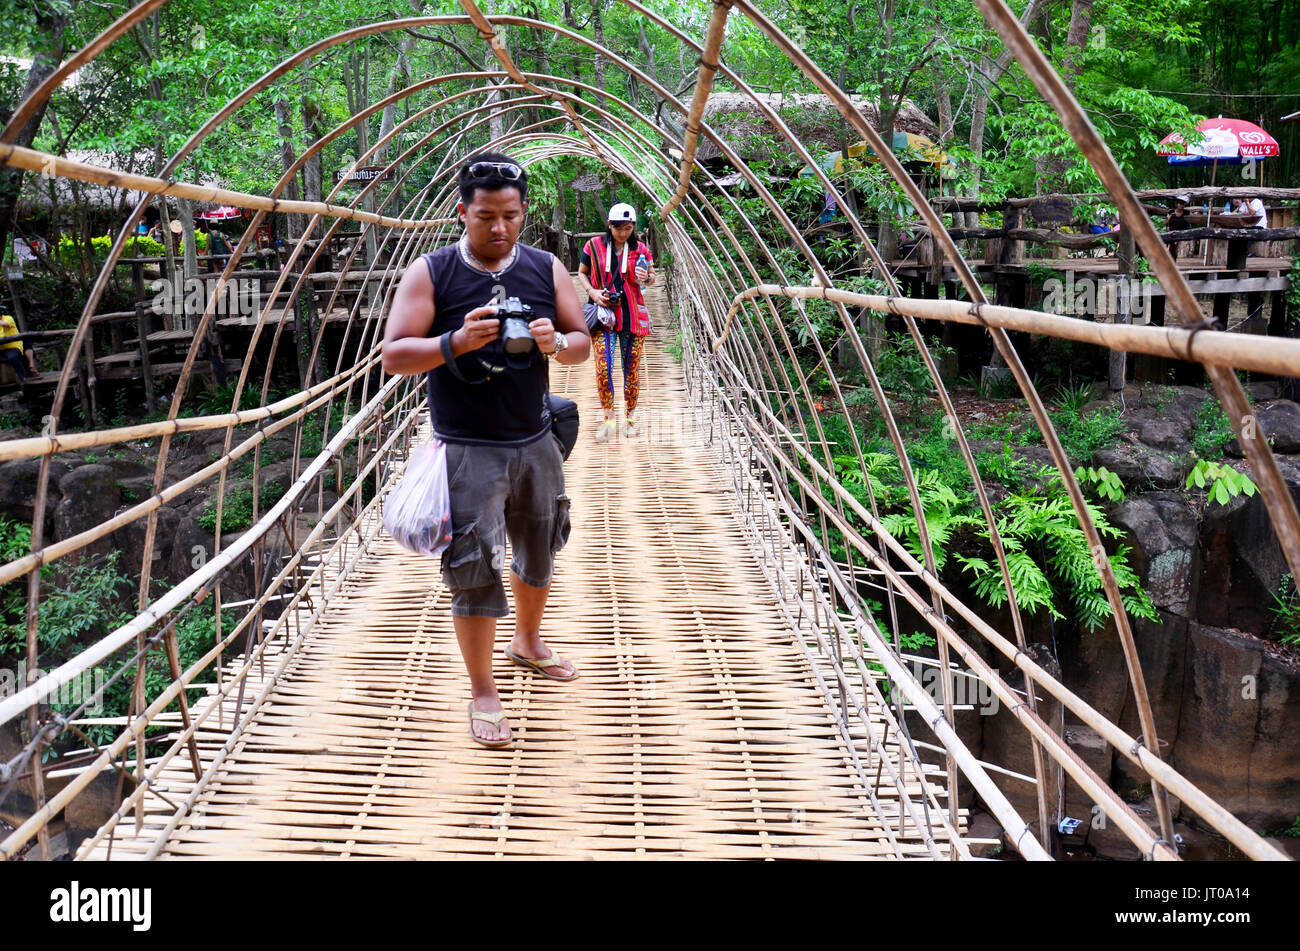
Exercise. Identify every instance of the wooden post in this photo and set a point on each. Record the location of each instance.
(215, 357)
(300, 339)
(94, 397)
(1012, 251)
(1124, 252)
(137, 280)
(143, 325)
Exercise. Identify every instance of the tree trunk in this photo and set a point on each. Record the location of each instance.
(311, 172)
(284, 126)
(598, 64)
(980, 108)
(398, 78)
(559, 217)
(51, 23)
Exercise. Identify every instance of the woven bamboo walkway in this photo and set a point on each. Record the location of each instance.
(696, 729)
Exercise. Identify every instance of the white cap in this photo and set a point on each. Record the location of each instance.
(622, 212)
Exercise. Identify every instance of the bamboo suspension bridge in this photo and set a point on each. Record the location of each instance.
(738, 699)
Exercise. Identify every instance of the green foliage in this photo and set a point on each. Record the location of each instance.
(674, 346)
(1004, 466)
(15, 539)
(1106, 483)
(943, 515)
(917, 640)
(1294, 829)
(1072, 399)
(903, 374)
(1211, 431)
(998, 386)
(1286, 611)
(83, 603)
(1082, 435)
(1224, 483)
(237, 511)
(217, 400)
(1045, 520)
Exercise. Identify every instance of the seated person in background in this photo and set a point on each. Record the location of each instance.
(1254, 215)
(1253, 208)
(12, 350)
(1178, 220)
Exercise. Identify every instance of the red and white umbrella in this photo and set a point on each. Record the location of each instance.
(221, 214)
(1224, 140)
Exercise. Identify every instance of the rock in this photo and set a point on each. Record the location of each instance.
(136, 489)
(90, 497)
(1090, 747)
(1008, 744)
(1170, 434)
(984, 826)
(1034, 458)
(92, 807)
(1184, 403)
(1163, 536)
(1266, 390)
(277, 473)
(18, 481)
(1162, 649)
(1280, 423)
(190, 550)
(1236, 735)
(130, 541)
(184, 468)
(124, 469)
(1243, 561)
(1139, 466)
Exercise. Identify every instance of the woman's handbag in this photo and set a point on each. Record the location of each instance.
(418, 512)
(598, 317)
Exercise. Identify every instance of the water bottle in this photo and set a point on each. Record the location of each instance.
(641, 262)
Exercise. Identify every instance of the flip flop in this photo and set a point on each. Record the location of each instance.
(493, 718)
(540, 664)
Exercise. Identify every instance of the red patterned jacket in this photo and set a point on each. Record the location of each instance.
(602, 260)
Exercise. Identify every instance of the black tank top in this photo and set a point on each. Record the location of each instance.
(511, 406)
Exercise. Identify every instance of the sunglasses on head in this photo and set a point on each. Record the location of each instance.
(507, 170)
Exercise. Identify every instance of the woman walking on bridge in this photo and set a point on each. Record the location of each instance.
(612, 268)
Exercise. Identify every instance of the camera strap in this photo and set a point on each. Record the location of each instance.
(449, 361)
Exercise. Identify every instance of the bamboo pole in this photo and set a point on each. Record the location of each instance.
(1055, 745)
(1159, 771)
(1273, 355)
(704, 82)
(34, 161)
(106, 646)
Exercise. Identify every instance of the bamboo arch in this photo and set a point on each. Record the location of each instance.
(737, 353)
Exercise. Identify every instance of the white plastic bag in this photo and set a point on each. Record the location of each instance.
(418, 512)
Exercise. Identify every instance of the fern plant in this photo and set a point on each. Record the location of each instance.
(942, 507)
(1048, 519)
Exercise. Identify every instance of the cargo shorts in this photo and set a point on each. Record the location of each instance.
(500, 492)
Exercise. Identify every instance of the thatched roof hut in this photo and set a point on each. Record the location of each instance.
(811, 117)
(40, 194)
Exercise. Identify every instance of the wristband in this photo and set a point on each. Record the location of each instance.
(449, 358)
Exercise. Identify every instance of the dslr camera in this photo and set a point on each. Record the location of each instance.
(614, 296)
(514, 333)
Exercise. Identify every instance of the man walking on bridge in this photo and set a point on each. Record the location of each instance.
(488, 386)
